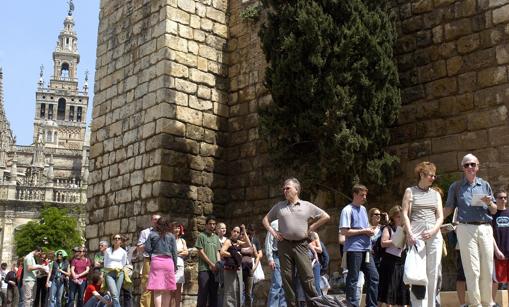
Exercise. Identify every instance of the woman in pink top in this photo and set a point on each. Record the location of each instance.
(80, 266)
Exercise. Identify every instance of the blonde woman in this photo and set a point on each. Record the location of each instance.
(391, 289)
(422, 217)
(182, 252)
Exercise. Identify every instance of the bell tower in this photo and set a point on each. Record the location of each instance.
(61, 107)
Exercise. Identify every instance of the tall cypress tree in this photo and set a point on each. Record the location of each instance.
(334, 85)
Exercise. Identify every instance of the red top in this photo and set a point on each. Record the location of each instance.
(89, 290)
(19, 273)
(80, 265)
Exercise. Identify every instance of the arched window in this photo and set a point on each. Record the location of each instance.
(43, 110)
(78, 114)
(61, 109)
(49, 136)
(71, 113)
(64, 71)
(50, 111)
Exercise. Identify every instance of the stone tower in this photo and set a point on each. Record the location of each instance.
(6, 136)
(53, 170)
(61, 107)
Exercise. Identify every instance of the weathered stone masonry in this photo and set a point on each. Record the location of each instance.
(178, 84)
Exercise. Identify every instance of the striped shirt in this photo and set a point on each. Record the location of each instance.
(423, 205)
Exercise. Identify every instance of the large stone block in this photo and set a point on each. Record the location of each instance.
(492, 76)
(457, 28)
(502, 52)
(433, 71)
(501, 14)
(422, 6)
(468, 43)
(186, 5)
(442, 87)
(201, 77)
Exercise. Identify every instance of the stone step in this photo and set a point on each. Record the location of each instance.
(450, 298)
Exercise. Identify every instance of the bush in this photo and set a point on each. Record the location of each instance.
(54, 230)
(334, 86)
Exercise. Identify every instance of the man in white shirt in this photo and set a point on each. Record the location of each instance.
(146, 296)
(3, 274)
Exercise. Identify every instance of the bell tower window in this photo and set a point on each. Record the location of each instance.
(78, 114)
(50, 111)
(64, 70)
(61, 109)
(71, 113)
(43, 110)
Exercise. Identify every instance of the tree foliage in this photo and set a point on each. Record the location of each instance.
(54, 230)
(334, 86)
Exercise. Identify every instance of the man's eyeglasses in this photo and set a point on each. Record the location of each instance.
(467, 165)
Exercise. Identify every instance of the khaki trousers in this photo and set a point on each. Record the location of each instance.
(294, 255)
(29, 293)
(146, 295)
(476, 248)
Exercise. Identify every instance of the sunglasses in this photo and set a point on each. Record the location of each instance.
(376, 213)
(502, 197)
(467, 165)
(117, 238)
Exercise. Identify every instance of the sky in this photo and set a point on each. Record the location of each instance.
(28, 34)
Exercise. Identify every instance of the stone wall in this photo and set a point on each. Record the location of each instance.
(178, 84)
(453, 59)
(159, 116)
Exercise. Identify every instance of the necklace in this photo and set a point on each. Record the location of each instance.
(423, 189)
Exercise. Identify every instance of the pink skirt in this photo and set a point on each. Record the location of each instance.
(162, 274)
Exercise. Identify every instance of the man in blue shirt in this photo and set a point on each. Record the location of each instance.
(473, 198)
(353, 224)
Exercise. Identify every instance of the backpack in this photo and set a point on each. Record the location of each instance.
(326, 301)
(323, 258)
(378, 250)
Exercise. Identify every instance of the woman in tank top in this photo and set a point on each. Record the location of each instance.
(182, 252)
(231, 252)
(422, 217)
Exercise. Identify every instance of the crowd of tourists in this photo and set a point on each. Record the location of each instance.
(395, 256)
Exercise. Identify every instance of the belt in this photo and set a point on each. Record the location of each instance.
(297, 241)
(475, 223)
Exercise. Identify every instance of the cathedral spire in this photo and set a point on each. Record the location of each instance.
(6, 137)
(1, 90)
(71, 8)
(66, 56)
(61, 104)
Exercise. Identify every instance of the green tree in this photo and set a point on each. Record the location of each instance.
(54, 230)
(334, 85)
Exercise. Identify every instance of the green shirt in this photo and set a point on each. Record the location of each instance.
(29, 261)
(210, 245)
